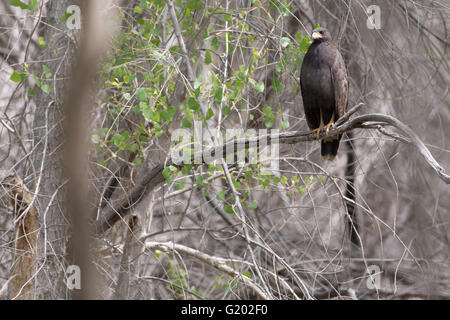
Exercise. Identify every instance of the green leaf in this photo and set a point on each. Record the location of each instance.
(186, 123)
(66, 16)
(142, 94)
(194, 5)
(46, 71)
(167, 172)
(186, 168)
(209, 114)
(180, 186)
(215, 43)
(193, 104)
(208, 58)
(18, 3)
(285, 124)
(147, 112)
(117, 139)
(221, 195)
(229, 209)
(198, 82)
(277, 85)
(218, 95)
(253, 205)
(138, 161)
(132, 147)
(278, 68)
(16, 77)
(41, 42)
(168, 114)
(304, 44)
(31, 93)
(46, 88)
(285, 41)
(259, 87)
(199, 181)
(33, 5)
(226, 110)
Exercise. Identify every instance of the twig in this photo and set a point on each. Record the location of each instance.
(216, 262)
(242, 217)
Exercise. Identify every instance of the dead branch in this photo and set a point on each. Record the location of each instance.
(154, 177)
(221, 265)
(27, 226)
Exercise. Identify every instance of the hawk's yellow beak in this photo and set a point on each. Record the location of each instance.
(316, 35)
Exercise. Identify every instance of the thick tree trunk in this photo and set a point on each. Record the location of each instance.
(58, 56)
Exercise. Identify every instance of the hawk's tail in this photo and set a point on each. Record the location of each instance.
(329, 149)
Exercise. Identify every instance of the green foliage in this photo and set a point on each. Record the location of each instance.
(229, 209)
(142, 73)
(227, 283)
(179, 281)
(18, 77)
(66, 15)
(253, 205)
(32, 5)
(282, 6)
(41, 42)
(43, 81)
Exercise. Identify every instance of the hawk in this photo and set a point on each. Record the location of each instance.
(324, 86)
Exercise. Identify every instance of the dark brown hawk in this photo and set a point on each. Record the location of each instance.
(324, 85)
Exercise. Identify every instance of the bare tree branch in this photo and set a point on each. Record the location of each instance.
(154, 177)
(221, 264)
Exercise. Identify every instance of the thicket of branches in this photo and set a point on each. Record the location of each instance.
(87, 177)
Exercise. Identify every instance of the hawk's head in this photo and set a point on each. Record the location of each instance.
(321, 35)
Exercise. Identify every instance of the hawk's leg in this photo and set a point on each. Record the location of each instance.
(321, 126)
(328, 126)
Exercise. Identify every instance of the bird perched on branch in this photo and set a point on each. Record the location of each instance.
(324, 85)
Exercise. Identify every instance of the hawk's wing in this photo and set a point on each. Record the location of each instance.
(340, 83)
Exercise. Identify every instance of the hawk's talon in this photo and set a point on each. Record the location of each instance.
(321, 126)
(317, 131)
(329, 125)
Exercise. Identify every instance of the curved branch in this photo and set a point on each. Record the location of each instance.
(150, 180)
(221, 265)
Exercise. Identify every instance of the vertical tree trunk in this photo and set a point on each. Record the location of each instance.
(58, 56)
(128, 266)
